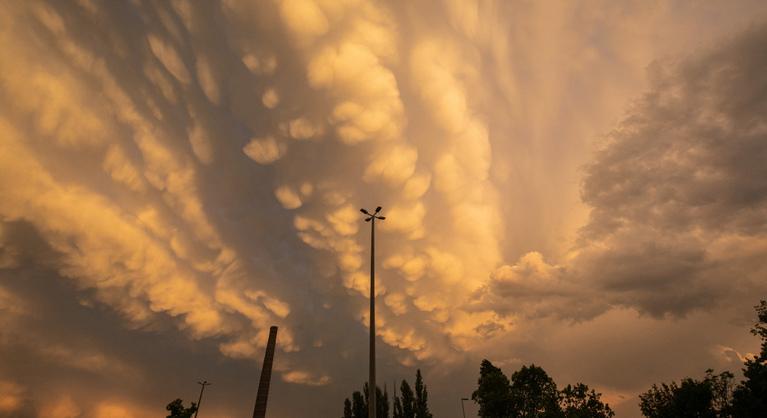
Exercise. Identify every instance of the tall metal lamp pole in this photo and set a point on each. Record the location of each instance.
(199, 400)
(371, 217)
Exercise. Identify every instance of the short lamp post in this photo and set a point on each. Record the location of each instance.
(462, 408)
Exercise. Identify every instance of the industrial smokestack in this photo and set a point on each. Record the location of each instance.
(266, 376)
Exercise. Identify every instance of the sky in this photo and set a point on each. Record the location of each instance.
(575, 184)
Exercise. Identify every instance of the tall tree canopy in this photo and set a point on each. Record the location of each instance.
(177, 409)
(580, 402)
(492, 392)
(714, 397)
(408, 400)
(409, 403)
(532, 393)
(359, 405)
(348, 409)
(750, 397)
(397, 410)
(421, 397)
(707, 398)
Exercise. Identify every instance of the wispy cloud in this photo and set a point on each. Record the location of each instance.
(195, 170)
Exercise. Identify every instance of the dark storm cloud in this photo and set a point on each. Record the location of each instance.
(195, 174)
(679, 191)
(176, 212)
(677, 196)
(177, 176)
(690, 153)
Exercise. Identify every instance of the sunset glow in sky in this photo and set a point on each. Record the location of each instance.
(576, 184)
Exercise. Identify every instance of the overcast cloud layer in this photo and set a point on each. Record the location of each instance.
(577, 185)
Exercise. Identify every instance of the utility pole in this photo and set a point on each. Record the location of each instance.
(371, 217)
(259, 411)
(199, 400)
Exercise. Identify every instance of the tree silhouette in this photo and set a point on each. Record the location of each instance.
(398, 413)
(750, 397)
(713, 396)
(578, 402)
(707, 398)
(492, 393)
(421, 397)
(533, 393)
(408, 400)
(177, 409)
(347, 409)
(382, 404)
(358, 406)
(722, 391)
(409, 403)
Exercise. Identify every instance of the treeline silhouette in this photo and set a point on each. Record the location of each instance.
(532, 393)
(408, 404)
(716, 396)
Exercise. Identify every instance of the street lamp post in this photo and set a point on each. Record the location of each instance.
(462, 409)
(199, 400)
(371, 217)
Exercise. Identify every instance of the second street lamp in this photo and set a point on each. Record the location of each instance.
(372, 392)
(199, 400)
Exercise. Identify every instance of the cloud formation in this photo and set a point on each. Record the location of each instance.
(187, 174)
(676, 195)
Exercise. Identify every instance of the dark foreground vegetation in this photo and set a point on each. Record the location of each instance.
(716, 396)
(409, 403)
(178, 410)
(531, 393)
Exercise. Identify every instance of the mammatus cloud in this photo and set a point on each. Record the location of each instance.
(155, 244)
(197, 170)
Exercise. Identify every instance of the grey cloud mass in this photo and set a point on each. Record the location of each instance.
(175, 177)
(676, 196)
(681, 181)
